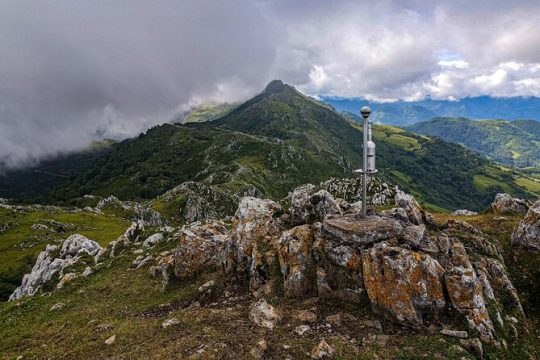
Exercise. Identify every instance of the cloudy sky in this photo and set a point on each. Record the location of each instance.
(72, 71)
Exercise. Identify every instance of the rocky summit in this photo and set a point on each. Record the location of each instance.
(305, 277)
(411, 272)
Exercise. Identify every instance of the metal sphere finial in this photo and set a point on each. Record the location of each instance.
(365, 111)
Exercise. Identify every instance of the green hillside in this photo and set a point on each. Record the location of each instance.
(33, 184)
(513, 143)
(208, 112)
(274, 142)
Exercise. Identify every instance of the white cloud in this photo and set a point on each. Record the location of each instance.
(69, 70)
(318, 76)
(456, 64)
(489, 82)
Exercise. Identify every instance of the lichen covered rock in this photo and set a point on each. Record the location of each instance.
(360, 232)
(399, 261)
(294, 253)
(506, 204)
(414, 211)
(402, 284)
(527, 232)
(255, 224)
(199, 248)
(466, 292)
(309, 205)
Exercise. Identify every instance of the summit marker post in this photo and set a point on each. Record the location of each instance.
(368, 151)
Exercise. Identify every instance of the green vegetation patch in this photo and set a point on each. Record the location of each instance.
(529, 184)
(485, 183)
(27, 233)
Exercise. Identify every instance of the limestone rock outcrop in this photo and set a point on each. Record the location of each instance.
(77, 244)
(408, 268)
(527, 232)
(350, 190)
(133, 210)
(51, 263)
(309, 205)
(199, 202)
(359, 232)
(506, 204)
(402, 284)
(294, 253)
(414, 211)
(200, 248)
(251, 250)
(130, 236)
(134, 231)
(153, 239)
(466, 292)
(464, 212)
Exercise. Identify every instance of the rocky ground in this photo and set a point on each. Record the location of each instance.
(308, 278)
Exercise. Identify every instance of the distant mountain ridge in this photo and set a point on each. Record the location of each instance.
(273, 142)
(513, 143)
(403, 113)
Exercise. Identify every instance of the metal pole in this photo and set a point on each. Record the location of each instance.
(364, 170)
(365, 112)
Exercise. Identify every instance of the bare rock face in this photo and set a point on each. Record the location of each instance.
(527, 232)
(506, 204)
(402, 284)
(414, 211)
(294, 253)
(356, 231)
(250, 252)
(466, 292)
(405, 267)
(254, 222)
(339, 269)
(199, 248)
(307, 205)
(51, 263)
(77, 244)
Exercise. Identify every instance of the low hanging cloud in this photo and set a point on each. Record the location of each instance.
(74, 71)
(71, 71)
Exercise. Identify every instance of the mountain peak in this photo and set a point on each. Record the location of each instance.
(276, 86)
